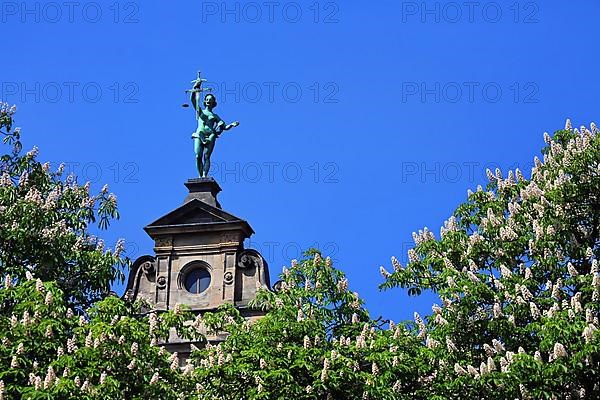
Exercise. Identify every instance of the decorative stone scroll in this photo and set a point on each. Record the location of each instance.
(148, 268)
(249, 259)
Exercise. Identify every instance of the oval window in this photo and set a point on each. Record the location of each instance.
(197, 280)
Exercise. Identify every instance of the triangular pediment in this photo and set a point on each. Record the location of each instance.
(194, 212)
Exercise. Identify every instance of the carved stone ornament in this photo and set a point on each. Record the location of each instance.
(228, 278)
(248, 260)
(163, 241)
(148, 268)
(161, 282)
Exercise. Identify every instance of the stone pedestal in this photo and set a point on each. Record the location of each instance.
(203, 189)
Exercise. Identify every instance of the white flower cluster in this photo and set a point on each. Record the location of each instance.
(7, 109)
(424, 235)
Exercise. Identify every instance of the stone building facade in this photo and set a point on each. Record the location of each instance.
(199, 260)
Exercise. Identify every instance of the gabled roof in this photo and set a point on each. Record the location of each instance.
(197, 216)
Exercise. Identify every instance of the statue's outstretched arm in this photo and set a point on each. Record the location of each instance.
(231, 125)
(227, 127)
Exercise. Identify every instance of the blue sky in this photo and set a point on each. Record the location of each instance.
(361, 122)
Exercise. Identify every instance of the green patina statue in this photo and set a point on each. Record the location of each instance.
(210, 125)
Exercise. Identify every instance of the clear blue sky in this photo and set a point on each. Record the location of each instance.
(360, 121)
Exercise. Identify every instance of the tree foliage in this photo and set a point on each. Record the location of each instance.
(315, 342)
(62, 336)
(515, 268)
(49, 352)
(45, 224)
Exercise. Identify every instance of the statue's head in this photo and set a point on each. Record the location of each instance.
(210, 100)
